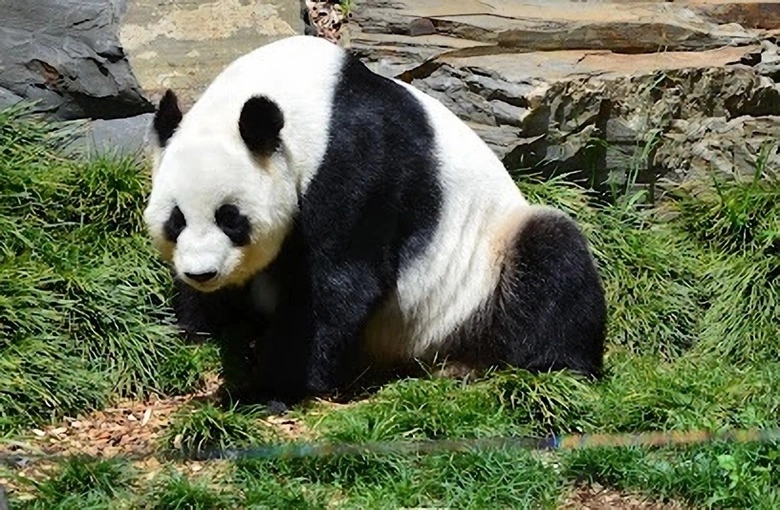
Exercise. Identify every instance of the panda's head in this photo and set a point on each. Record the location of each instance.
(222, 196)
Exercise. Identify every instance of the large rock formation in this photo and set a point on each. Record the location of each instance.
(609, 90)
(66, 55)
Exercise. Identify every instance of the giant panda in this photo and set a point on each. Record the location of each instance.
(344, 225)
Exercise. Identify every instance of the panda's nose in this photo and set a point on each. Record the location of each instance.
(201, 277)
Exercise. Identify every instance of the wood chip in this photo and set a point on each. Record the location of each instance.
(147, 416)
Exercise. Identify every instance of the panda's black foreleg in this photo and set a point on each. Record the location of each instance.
(279, 374)
(313, 341)
(343, 297)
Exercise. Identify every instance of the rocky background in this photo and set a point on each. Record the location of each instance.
(108, 61)
(611, 91)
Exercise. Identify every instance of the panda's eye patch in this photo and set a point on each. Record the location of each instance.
(174, 224)
(234, 224)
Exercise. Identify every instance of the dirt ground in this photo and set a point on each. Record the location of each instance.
(596, 497)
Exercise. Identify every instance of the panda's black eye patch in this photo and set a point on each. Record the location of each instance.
(234, 224)
(174, 225)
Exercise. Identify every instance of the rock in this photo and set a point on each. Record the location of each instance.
(612, 95)
(120, 137)
(474, 26)
(185, 44)
(8, 98)
(127, 136)
(749, 14)
(769, 63)
(66, 56)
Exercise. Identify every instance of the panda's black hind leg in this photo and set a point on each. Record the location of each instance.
(550, 311)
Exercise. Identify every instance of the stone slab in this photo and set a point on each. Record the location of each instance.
(587, 87)
(184, 44)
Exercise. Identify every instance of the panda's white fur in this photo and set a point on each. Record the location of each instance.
(454, 279)
(482, 210)
(206, 160)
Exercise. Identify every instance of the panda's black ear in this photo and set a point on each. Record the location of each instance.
(260, 122)
(167, 117)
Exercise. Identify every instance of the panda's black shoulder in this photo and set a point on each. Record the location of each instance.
(398, 121)
(378, 181)
(370, 97)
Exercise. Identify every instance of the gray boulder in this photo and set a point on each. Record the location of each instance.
(8, 98)
(125, 137)
(66, 56)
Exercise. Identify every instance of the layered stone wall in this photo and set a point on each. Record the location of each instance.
(608, 90)
(612, 91)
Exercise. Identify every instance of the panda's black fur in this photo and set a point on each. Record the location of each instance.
(370, 210)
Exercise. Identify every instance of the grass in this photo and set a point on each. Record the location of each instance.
(80, 483)
(83, 315)
(200, 428)
(177, 492)
(717, 475)
(694, 302)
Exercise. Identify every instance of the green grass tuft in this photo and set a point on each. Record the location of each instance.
(177, 492)
(82, 483)
(508, 402)
(509, 479)
(737, 218)
(199, 428)
(83, 298)
(718, 475)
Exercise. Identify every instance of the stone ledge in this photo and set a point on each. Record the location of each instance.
(585, 87)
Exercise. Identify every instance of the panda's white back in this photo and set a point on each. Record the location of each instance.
(482, 210)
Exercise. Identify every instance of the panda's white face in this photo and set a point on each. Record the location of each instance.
(228, 174)
(217, 212)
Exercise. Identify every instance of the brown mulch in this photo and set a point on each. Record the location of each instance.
(129, 428)
(597, 497)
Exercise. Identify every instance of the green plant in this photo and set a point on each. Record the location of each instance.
(82, 483)
(177, 492)
(347, 6)
(83, 299)
(197, 429)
